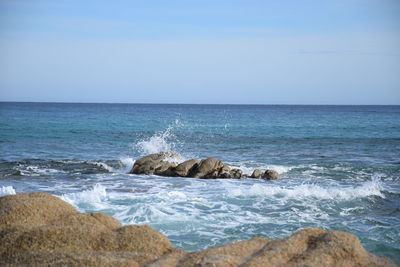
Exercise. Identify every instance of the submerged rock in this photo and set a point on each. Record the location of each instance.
(41, 230)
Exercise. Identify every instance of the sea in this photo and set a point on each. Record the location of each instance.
(339, 167)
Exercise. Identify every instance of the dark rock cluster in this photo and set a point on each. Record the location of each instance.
(38, 229)
(209, 168)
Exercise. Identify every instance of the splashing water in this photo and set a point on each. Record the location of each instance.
(7, 190)
(159, 142)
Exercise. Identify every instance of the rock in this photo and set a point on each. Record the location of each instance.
(207, 168)
(32, 210)
(270, 175)
(210, 168)
(316, 247)
(154, 163)
(257, 173)
(225, 172)
(41, 230)
(185, 168)
(164, 167)
(230, 254)
(236, 173)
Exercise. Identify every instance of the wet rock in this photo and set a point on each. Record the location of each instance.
(257, 173)
(207, 168)
(225, 172)
(210, 168)
(270, 175)
(236, 173)
(185, 168)
(154, 163)
(164, 167)
(41, 230)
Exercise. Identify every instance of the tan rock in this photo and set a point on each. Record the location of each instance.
(257, 173)
(184, 168)
(73, 239)
(207, 168)
(230, 254)
(32, 210)
(154, 163)
(54, 234)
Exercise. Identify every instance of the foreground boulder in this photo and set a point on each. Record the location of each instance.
(209, 168)
(41, 230)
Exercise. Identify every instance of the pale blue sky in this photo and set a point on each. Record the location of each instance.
(250, 52)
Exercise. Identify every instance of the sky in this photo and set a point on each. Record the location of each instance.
(201, 51)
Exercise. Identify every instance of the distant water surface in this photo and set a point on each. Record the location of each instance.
(339, 167)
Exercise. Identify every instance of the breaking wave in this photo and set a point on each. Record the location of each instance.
(310, 190)
(160, 141)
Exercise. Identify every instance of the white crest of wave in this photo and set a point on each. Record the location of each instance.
(7, 190)
(309, 190)
(127, 164)
(159, 142)
(93, 197)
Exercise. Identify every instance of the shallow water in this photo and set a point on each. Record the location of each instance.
(339, 167)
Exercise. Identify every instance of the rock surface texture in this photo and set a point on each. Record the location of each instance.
(41, 230)
(209, 168)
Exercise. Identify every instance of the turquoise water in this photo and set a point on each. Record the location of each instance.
(339, 167)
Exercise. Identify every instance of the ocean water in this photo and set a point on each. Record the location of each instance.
(339, 167)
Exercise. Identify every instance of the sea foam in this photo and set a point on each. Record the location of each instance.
(7, 190)
(311, 190)
(93, 197)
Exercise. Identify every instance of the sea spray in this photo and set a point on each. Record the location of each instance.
(7, 190)
(92, 198)
(161, 141)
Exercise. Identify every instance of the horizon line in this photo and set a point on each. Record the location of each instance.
(215, 104)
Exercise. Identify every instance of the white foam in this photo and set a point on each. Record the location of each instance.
(93, 197)
(159, 142)
(104, 166)
(310, 190)
(33, 170)
(7, 190)
(249, 170)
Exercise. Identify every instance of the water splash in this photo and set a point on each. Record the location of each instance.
(313, 191)
(92, 197)
(161, 141)
(7, 190)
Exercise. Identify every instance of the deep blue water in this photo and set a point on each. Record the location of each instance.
(339, 167)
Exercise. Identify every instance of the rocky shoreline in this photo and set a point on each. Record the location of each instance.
(42, 230)
(209, 168)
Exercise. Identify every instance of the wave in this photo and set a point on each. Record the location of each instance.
(373, 187)
(248, 167)
(93, 197)
(161, 142)
(7, 190)
(39, 167)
